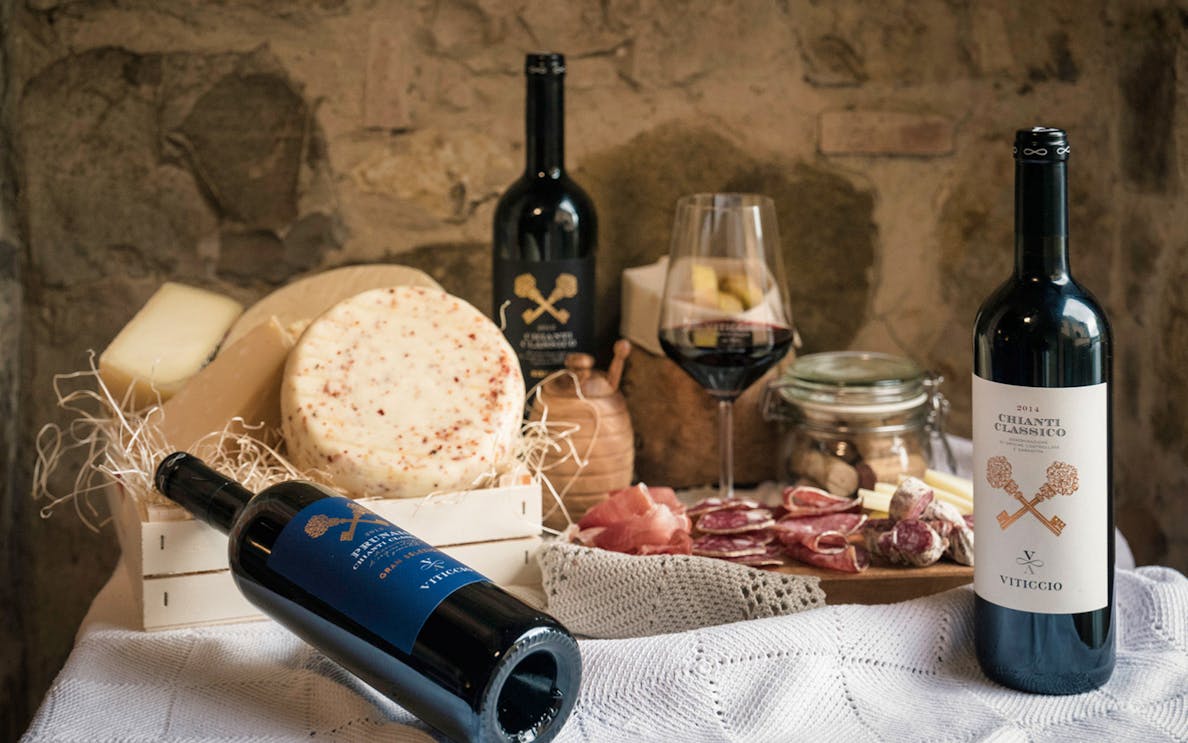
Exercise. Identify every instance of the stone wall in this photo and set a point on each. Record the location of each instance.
(236, 145)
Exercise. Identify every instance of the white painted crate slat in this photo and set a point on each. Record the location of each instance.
(174, 601)
(180, 575)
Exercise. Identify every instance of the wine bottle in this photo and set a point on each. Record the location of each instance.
(1042, 422)
(545, 237)
(420, 627)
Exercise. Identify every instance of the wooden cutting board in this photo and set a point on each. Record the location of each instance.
(884, 584)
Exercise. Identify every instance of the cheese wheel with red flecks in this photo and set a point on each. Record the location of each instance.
(401, 392)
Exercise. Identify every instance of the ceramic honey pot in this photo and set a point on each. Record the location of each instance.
(599, 429)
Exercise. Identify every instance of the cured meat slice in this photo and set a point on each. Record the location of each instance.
(665, 497)
(773, 557)
(803, 500)
(846, 523)
(735, 521)
(721, 504)
(727, 545)
(853, 559)
(910, 500)
(680, 544)
(631, 520)
(827, 542)
(912, 542)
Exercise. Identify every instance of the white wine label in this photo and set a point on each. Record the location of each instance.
(1040, 474)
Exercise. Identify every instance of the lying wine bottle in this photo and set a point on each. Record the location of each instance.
(423, 629)
(1044, 556)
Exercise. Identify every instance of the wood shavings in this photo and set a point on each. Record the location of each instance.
(119, 446)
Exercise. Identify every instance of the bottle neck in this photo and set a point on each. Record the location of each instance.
(545, 122)
(1041, 220)
(211, 497)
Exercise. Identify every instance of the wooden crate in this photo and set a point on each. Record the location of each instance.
(180, 576)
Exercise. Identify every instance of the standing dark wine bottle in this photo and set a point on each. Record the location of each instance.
(1042, 422)
(545, 237)
(420, 627)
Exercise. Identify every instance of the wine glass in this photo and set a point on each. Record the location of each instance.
(723, 316)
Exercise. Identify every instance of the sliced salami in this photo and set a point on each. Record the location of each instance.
(827, 542)
(910, 500)
(721, 504)
(853, 559)
(846, 523)
(803, 500)
(726, 545)
(774, 556)
(735, 521)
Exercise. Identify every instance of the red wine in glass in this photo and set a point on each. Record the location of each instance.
(726, 356)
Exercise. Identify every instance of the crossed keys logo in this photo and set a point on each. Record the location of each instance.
(566, 287)
(1062, 480)
(319, 524)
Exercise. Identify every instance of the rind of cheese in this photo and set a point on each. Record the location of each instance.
(401, 392)
(243, 382)
(167, 342)
(301, 301)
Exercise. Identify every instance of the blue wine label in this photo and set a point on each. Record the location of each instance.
(368, 568)
(1041, 496)
(546, 310)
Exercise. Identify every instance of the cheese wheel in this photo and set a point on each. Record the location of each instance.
(401, 392)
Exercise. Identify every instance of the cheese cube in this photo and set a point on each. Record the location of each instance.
(244, 381)
(173, 336)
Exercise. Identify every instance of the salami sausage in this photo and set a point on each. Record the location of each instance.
(913, 542)
(910, 499)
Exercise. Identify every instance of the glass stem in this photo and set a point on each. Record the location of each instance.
(726, 448)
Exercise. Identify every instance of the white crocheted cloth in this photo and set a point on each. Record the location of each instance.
(896, 673)
(608, 595)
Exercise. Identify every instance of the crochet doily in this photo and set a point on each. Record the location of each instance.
(610, 595)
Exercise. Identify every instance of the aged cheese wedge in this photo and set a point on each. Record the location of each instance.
(401, 392)
(167, 342)
(297, 303)
(244, 381)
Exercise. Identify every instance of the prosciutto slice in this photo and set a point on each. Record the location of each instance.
(637, 520)
(803, 500)
(852, 559)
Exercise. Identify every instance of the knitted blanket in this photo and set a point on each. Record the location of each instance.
(901, 672)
